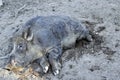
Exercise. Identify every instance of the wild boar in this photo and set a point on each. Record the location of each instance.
(54, 33)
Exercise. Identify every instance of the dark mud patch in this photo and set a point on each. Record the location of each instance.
(101, 28)
(109, 52)
(85, 47)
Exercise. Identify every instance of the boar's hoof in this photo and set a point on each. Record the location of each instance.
(45, 69)
(56, 72)
(89, 38)
(56, 68)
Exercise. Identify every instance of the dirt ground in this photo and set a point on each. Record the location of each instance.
(98, 60)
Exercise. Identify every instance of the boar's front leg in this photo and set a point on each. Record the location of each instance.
(43, 62)
(54, 59)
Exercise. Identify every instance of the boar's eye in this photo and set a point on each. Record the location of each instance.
(21, 47)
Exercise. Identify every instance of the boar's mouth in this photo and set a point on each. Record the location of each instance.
(15, 66)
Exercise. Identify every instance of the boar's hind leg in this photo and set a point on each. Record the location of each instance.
(54, 57)
(88, 36)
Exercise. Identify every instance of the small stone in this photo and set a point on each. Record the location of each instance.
(53, 8)
(70, 66)
(117, 29)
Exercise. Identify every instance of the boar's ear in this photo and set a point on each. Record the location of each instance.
(27, 34)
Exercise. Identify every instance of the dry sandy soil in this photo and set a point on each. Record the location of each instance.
(98, 60)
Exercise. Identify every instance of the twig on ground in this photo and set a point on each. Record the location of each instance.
(88, 20)
(17, 12)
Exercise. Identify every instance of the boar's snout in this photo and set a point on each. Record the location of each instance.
(15, 61)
